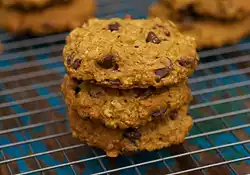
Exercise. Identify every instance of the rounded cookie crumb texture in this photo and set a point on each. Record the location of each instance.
(208, 32)
(155, 135)
(219, 9)
(117, 108)
(28, 4)
(55, 18)
(130, 53)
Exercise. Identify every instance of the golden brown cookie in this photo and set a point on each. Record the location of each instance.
(178, 4)
(57, 18)
(123, 108)
(222, 9)
(207, 32)
(130, 53)
(28, 4)
(155, 135)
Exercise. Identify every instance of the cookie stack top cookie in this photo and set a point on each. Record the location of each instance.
(130, 53)
(40, 17)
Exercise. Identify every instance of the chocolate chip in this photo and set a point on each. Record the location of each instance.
(173, 115)
(114, 26)
(152, 38)
(158, 113)
(186, 62)
(107, 62)
(136, 46)
(69, 59)
(167, 33)
(77, 90)
(161, 73)
(76, 64)
(132, 134)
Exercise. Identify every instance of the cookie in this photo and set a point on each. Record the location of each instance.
(130, 53)
(57, 18)
(221, 9)
(178, 4)
(123, 108)
(155, 135)
(28, 4)
(207, 32)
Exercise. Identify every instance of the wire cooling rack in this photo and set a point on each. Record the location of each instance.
(35, 137)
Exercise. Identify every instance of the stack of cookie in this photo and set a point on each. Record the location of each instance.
(126, 86)
(40, 17)
(213, 23)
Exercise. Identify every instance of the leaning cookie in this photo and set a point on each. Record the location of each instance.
(219, 9)
(155, 135)
(123, 108)
(207, 32)
(57, 18)
(130, 53)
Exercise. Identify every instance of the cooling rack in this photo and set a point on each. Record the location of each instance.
(34, 132)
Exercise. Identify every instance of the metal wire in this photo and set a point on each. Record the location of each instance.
(220, 87)
(80, 145)
(8, 166)
(149, 162)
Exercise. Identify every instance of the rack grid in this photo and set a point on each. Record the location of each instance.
(35, 137)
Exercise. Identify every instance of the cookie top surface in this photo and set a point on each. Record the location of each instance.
(206, 31)
(155, 135)
(53, 19)
(123, 108)
(221, 9)
(130, 53)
